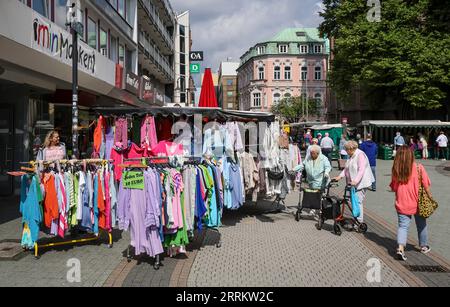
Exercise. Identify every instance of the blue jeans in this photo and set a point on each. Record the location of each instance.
(403, 226)
(374, 172)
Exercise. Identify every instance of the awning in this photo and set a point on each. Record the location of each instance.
(406, 123)
(327, 126)
(212, 113)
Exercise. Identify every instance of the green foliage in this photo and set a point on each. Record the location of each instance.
(405, 55)
(293, 109)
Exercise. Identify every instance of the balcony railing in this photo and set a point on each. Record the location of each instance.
(159, 24)
(155, 55)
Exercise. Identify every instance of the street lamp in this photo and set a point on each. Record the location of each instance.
(73, 19)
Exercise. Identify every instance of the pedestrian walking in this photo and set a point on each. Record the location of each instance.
(423, 146)
(405, 183)
(357, 173)
(327, 146)
(317, 168)
(442, 143)
(398, 140)
(342, 152)
(370, 148)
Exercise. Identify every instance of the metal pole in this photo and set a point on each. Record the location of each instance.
(74, 94)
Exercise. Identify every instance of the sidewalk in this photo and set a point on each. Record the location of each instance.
(258, 249)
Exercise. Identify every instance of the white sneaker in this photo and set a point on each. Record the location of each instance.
(425, 250)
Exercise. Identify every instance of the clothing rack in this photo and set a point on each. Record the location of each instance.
(33, 165)
(156, 161)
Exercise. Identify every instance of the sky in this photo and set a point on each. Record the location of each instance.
(229, 28)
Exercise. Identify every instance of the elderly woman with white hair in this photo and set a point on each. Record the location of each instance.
(317, 167)
(357, 172)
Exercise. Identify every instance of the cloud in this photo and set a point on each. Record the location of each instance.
(228, 28)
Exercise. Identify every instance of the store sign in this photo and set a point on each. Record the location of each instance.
(195, 68)
(196, 56)
(147, 90)
(50, 39)
(133, 180)
(132, 83)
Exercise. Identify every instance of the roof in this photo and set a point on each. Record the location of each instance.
(290, 35)
(229, 68)
(406, 123)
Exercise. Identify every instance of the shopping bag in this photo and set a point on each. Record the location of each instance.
(355, 203)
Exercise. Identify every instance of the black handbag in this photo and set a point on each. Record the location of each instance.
(274, 175)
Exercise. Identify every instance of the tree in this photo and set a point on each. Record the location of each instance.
(404, 56)
(293, 109)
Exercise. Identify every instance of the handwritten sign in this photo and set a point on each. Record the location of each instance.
(133, 180)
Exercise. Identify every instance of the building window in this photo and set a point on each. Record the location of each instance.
(183, 97)
(283, 48)
(230, 94)
(261, 73)
(317, 48)
(261, 50)
(277, 73)
(257, 100)
(113, 53)
(121, 55)
(60, 13)
(287, 96)
(304, 73)
(303, 49)
(182, 30)
(92, 33)
(318, 73)
(230, 106)
(104, 42)
(121, 7)
(301, 34)
(129, 12)
(182, 45)
(183, 70)
(276, 98)
(287, 73)
(129, 60)
(113, 3)
(230, 82)
(43, 7)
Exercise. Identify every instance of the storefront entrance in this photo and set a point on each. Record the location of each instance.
(6, 149)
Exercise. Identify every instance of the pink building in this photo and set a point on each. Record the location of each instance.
(292, 64)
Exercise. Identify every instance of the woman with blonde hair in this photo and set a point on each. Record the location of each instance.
(53, 149)
(358, 173)
(405, 183)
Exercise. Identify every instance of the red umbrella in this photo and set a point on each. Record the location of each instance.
(208, 98)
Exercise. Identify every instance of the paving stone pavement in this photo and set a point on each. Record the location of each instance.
(274, 250)
(97, 261)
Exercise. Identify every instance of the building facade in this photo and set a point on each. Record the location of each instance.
(184, 83)
(292, 64)
(125, 56)
(228, 86)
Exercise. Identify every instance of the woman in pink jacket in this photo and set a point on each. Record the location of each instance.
(405, 184)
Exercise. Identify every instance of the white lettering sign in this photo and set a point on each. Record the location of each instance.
(50, 39)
